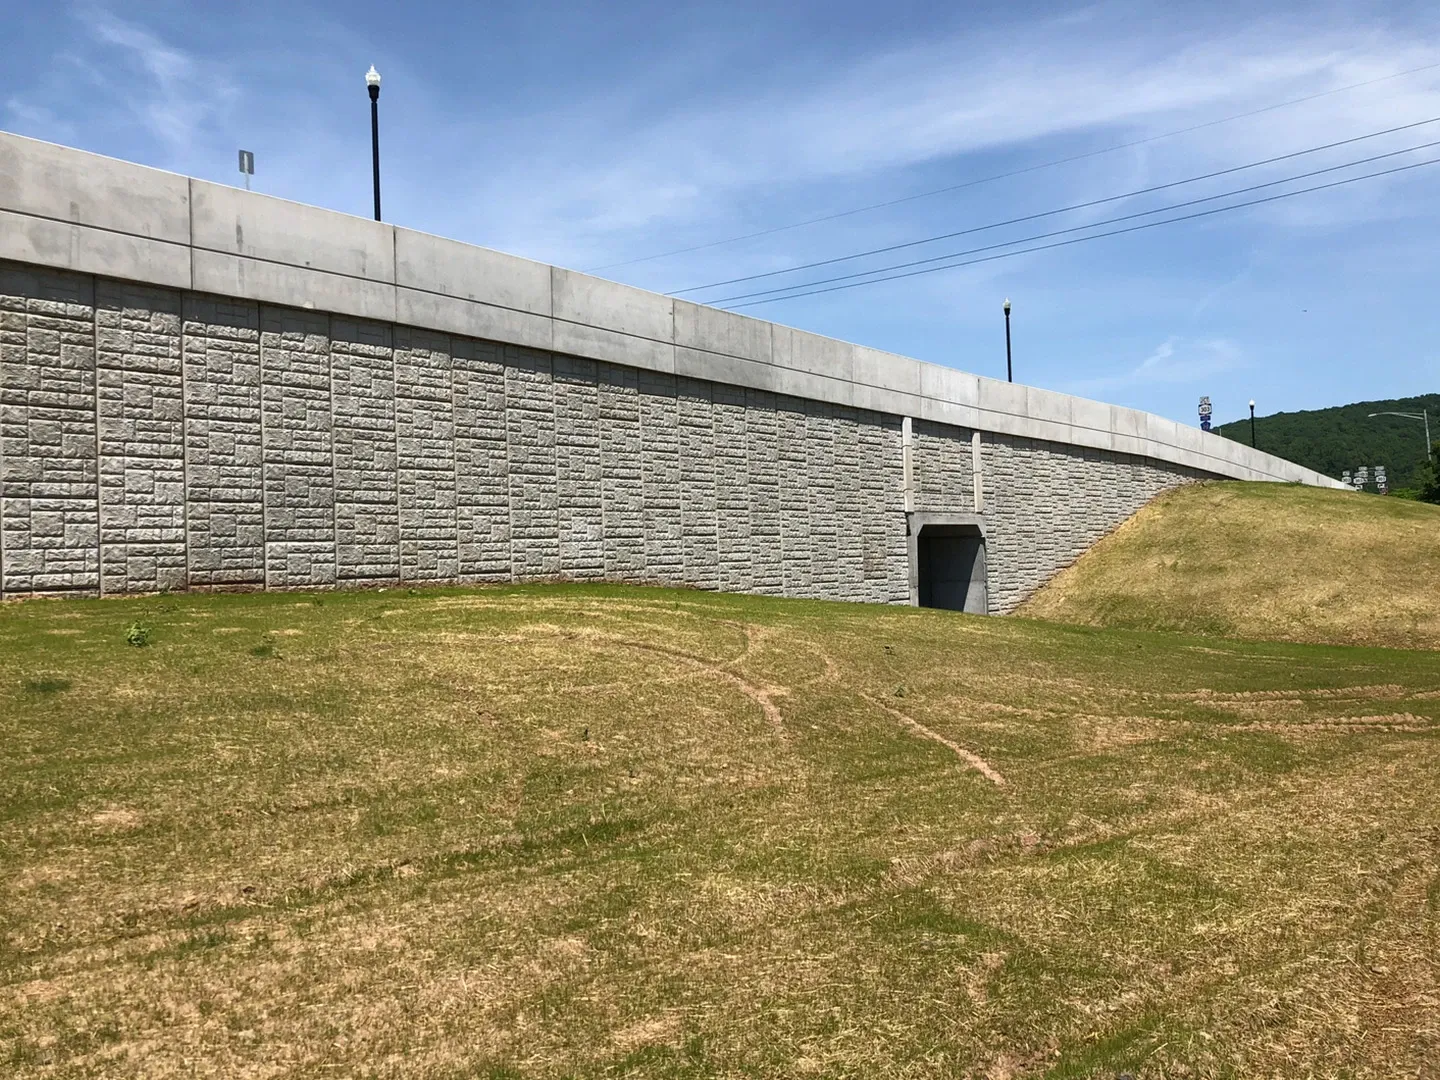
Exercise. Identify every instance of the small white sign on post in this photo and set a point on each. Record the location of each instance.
(247, 166)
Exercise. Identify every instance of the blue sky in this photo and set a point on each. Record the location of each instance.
(594, 134)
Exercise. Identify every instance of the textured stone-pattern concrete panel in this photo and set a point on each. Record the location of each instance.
(943, 480)
(534, 490)
(425, 454)
(849, 506)
(824, 519)
(49, 498)
(884, 553)
(660, 478)
(1046, 503)
(698, 521)
(796, 548)
(298, 448)
(367, 480)
(580, 511)
(155, 439)
(482, 465)
(767, 564)
(622, 486)
(141, 413)
(732, 487)
(224, 505)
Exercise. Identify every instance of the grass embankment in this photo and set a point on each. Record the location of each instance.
(1274, 562)
(554, 831)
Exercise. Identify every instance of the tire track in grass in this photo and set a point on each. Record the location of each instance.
(975, 761)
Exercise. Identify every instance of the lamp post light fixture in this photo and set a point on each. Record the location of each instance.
(1423, 416)
(1252, 423)
(1009, 369)
(372, 83)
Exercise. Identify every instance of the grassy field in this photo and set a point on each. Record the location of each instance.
(1263, 561)
(600, 831)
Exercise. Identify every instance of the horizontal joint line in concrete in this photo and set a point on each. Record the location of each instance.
(102, 228)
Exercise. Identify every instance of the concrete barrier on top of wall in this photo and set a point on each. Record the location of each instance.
(207, 387)
(67, 209)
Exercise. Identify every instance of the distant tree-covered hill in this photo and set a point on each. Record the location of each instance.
(1333, 440)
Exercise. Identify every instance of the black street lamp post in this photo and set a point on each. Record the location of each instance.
(1009, 370)
(372, 83)
(1252, 423)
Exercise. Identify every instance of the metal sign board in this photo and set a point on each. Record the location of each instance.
(247, 163)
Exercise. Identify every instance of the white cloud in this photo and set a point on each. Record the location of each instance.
(1175, 361)
(596, 184)
(1182, 360)
(173, 96)
(28, 118)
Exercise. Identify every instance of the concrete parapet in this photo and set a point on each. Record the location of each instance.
(70, 210)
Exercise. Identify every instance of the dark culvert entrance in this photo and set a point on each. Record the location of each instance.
(952, 568)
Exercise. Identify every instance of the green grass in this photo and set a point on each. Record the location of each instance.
(1262, 561)
(586, 831)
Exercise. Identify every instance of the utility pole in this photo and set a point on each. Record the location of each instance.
(1252, 423)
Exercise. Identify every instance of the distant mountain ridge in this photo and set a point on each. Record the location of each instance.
(1344, 437)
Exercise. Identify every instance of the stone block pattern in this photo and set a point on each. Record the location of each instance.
(534, 486)
(1046, 503)
(699, 535)
(762, 488)
(580, 512)
(884, 552)
(298, 448)
(823, 520)
(622, 487)
(797, 575)
(849, 503)
(482, 461)
(367, 479)
(224, 456)
(661, 490)
(425, 454)
(153, 439)
(49, 471)
(732, 488)
(141, 417)
(943, 477)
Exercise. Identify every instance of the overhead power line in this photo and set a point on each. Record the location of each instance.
(1084, 228)
(1093, 236)
(1053, 213)
(1014, 172)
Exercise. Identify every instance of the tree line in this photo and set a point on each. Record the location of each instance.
(1343, 438)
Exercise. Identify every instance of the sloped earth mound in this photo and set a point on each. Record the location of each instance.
(1275, 562)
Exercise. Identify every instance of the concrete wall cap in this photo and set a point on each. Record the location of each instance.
(74, 210)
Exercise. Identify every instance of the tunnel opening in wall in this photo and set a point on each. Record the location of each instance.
(947, 564)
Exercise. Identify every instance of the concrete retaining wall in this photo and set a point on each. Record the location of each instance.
(202, 387)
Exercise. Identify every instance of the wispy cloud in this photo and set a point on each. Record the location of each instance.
(136, 80)
(1176, 361)
(175, 95)
(27, 116)
(710, 160)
